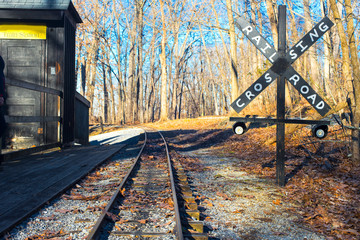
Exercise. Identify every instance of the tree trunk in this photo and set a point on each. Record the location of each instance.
(112, 95)
(328, 59)
(106, 95)
(131, 86)
(344, 43)
(164, 102)
(233, 53)
(151, 101)
(222, 40)
(140, 23)
(356, 80)
(215, 99)
(180, 96)
(121, 93)
(177, 69)
(271, 8)
(212, 77)
(311, 53)
(92, 72)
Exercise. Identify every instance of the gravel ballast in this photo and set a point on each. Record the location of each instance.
(237, 205)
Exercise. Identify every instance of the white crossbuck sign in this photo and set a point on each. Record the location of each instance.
(282, 65)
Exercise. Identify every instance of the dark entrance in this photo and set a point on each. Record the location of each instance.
(25, 61)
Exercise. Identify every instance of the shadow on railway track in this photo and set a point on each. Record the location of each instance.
(199, 139)
(191, 140)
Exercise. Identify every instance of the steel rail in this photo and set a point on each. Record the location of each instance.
(178, 229)
(95, 231)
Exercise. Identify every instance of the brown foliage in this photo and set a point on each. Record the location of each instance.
(324, 182)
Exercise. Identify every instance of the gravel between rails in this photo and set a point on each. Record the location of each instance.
(236, 205)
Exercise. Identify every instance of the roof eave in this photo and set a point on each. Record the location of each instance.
(74, 13)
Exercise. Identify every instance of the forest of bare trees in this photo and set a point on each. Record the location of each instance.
(144, 60)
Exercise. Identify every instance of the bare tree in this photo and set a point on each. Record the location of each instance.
(356, 80)
(146, 61)
(233, 52)
(164, 100)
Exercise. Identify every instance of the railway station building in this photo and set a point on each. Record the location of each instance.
(37, 43)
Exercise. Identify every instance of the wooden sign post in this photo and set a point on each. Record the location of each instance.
(282, 69)
(280, 106)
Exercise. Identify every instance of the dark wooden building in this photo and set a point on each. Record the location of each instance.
(37, 43)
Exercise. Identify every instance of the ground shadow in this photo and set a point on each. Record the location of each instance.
(196, 141)
(327, 165)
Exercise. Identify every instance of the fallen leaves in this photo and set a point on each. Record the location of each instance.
(169, 201)
(208, 203)
(47, 234)
(122, 192)
(121, 221)
(105, 197)
(223, 195)
(264, 219)
(95, 208)
(62, 210)
(277, 202)
(143, 221)
(112, 217)
(80, 197)
(238, 211)
(351, 231)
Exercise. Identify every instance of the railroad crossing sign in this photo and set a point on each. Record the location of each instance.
(282, 65)
(281, 70)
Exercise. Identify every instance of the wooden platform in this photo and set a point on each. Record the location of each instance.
(27, 183)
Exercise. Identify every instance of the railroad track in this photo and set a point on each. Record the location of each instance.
(147, 196)
(153, 200)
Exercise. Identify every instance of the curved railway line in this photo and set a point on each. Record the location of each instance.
(148, 197)
(153, 185)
